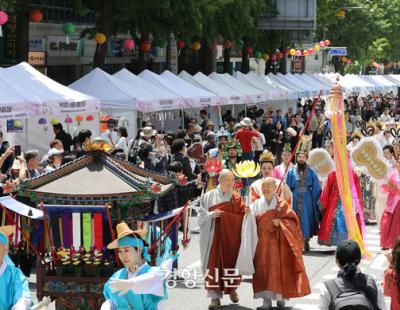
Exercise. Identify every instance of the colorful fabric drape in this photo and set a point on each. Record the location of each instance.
(55, 229)
(76, 230)
(66, 219)
(98, 230)
(87, 230)
(347, 188)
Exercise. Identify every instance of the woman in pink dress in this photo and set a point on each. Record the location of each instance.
(390, 228)
(391, 280)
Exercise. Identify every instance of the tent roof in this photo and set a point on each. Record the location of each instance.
(206, 97)
(253, 95)
(191, 98)
(231, 96)
(21, 208)
(40, 94)
(166, 100)
(113, 93)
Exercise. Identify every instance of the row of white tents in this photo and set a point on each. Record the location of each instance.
(28, 95)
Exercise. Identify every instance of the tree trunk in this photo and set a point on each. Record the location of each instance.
(100, 55)
(23, 30)
(227, 61)
(182, 60)
(245, 68)
(142, 55)
(207, 59)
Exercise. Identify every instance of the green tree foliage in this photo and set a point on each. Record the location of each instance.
(369, 28)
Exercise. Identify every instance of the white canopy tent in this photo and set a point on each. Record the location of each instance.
(253, 95)
(254, 80)
(272, 78)
(192, 98)
(166, 99)
(206, 97)
(118, 99)
(45, 102)
(200, 80)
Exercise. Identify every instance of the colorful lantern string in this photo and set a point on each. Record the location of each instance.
(3, 20)
(228, 44)
(68, 29)
(265, 56)
(90, 118)
(36, 16)
(79, 119)
(196, 45)
(100, 38)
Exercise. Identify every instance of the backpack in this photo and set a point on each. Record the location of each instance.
(347, 296)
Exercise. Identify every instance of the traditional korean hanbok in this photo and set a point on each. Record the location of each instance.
(144, 289)
(306, 190)
(390, 228)
(14, 287)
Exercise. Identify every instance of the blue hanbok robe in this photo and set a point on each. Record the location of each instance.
(153, 290)
(14, 287)
(308, 195)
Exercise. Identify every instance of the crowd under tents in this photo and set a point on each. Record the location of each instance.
(30, 102)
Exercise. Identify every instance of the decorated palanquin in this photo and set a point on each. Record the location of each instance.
(82, 201)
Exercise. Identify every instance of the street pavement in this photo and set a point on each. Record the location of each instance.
(320, 265)
(189, 292)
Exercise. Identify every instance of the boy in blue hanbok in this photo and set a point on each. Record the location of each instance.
(14, 287)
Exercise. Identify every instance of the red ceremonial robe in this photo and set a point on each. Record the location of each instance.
(221, 275)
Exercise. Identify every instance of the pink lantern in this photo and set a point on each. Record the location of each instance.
(273, 57)
(298, 53)
(322, 43)
(128, 45)
(3, 20)
(349, 62)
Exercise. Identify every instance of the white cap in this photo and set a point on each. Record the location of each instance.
(54, 151)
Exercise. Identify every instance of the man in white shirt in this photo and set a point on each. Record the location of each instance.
(110, 135)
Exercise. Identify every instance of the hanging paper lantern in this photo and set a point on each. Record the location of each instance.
(287, 51)
(36, 16)
(349, 62)
(310, 51)
(322, 43)
(317, 47)
(90, 118)
(100, 38)
(54, 121)
(344, 59)
(228, 44)
(292, 52)
(68, 29)
(305, 53)
(69, 120)
(196, 45)
(327, 42)
(298, 53)
(42, 121)
(257, 55)
(145, 46)
(128, 45)
(279, 56)
(273, 57)
(265, 56)
(249, 50)
(180, 44)
(3, 20)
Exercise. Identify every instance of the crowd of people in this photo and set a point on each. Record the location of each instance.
(287, 204)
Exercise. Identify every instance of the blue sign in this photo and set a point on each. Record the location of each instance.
(338, 51)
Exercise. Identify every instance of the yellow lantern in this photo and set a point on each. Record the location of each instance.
(196, 45)
(292, 52)
(344, 59)
(100, 38)
(317, 47)
(265, 56)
